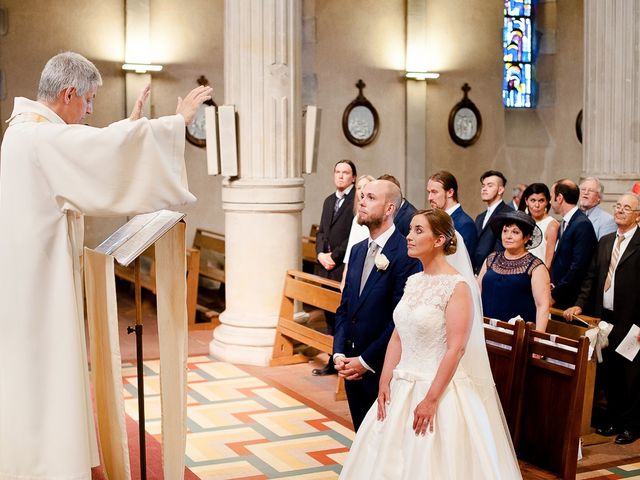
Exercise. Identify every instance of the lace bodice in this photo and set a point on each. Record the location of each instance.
(420, 321)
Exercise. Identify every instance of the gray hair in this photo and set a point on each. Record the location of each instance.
(68, 69)
(600, 186)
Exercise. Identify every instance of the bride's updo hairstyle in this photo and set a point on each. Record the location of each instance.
(441, 224)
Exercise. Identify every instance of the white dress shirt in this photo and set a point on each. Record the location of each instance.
(607, 298)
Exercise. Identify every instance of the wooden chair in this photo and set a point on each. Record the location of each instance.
(548, 429)
(506, 349)
(148, 277)
(311, 290)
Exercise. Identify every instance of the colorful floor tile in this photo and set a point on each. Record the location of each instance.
(240, 427)
(631, 471)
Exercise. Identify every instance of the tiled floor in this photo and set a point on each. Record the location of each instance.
(319, 391)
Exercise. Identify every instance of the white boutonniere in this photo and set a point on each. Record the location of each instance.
(381, 261)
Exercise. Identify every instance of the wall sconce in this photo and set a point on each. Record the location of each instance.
(422, 76)
(141, 67)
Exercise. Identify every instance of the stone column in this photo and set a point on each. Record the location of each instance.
(263, 204)
(611, 126)
(416, 105)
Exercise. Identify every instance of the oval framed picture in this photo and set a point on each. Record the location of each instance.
(465, 121)
(360, 121)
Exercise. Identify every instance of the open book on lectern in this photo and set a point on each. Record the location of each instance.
(138, 234)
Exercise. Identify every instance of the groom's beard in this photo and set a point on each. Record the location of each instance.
(373, 222)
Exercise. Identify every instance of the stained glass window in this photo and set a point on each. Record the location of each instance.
(518, 41)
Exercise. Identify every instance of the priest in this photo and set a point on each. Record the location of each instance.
(53, 171)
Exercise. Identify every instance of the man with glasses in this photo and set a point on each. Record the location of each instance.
(591, 191)
(610, 291)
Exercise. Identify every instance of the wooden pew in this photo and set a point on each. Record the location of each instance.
(211, 247)
(506, 350)
(551, 400)
(310, 290)
(148, 277)
(309, 245)
(559, 326)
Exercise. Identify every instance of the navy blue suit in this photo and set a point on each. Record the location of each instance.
(364, 322)
(572, 259)
(464, 224)
(402, 220)
(487, 241)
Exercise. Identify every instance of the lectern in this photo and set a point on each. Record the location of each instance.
(166, 230)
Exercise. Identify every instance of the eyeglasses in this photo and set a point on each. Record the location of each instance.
(624, 208)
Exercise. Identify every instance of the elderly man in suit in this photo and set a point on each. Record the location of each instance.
(491, 192)
(333, 235)
(610, 292)
(377, 272)
(405, 212)
(576, 244)
(442, 191)
(591, 191)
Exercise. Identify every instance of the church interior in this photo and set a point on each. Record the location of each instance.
(271, 59)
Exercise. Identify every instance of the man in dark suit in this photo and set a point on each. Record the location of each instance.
(610, 291)
(333, 235)
(576, 244)
(442, 190)
(403, 217)
(492, 191)
(376, 276)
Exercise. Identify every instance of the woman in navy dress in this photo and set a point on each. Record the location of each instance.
(515, 282)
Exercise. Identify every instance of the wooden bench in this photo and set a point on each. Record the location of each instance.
(557, 325)
(309, 245)
(506, 350)
(310, 290)
(148, 277)
(551, 402)
(211, 247)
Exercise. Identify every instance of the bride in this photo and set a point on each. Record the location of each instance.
(438, 414)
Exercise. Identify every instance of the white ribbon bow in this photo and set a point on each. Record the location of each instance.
(598, 338)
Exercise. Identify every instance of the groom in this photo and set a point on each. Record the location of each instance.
(376, 276)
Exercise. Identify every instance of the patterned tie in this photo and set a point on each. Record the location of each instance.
(369, 262)
(336, 206)
(614, 262)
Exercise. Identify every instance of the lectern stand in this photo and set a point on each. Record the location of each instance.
(164, 230)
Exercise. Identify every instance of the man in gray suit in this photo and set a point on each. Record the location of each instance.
(591, 191)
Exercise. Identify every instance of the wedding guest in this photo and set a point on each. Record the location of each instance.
(491, 192)
(515, 282)
(442, 191)
(333, 235)
(576, 244)
(536, 201)
(516, 197)
(437, 414)
(609, 291)
(591, 191)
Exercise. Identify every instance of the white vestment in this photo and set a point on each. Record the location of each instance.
(51, 174)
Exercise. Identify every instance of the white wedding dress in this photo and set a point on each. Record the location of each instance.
(470, 438)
